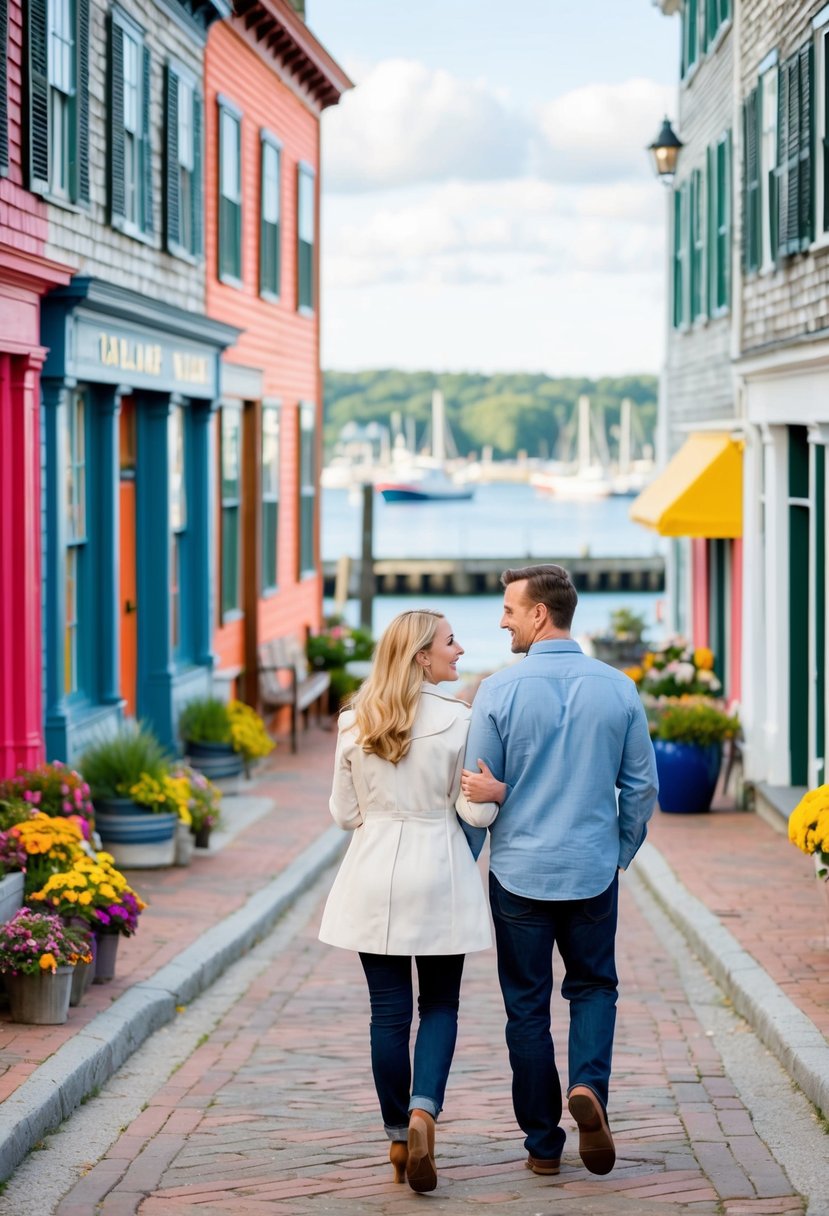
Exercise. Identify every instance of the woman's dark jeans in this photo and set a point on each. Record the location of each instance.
(389, 979)
(585, 932)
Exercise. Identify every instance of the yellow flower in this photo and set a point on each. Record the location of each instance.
(647, 660)
(47, 962)
(704, 658)
(85, 898)
(634, 673)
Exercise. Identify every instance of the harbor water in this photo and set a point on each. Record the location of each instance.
(503, 520)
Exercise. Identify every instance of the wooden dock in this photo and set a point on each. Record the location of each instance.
(481, 575)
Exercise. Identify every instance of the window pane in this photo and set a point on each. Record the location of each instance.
(230, 173)
(270, 184)
(185, 125)
(131, 84)
(306, 207)
(75, 466)
(175, 595)
(178, 495)
(70, 654)
(231, 452)
(270, 452)
(61, 45)
(270, 529)
(230, 558)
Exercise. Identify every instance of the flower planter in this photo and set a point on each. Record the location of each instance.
(201, 837)
(688, 775)
(40, 1000)
(215, 760)
(11, 895)
(106, 951)
(138, 839)
(184, 844)
(82, 975)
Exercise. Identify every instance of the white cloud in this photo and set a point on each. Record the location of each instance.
(406, 123)
(599, 132)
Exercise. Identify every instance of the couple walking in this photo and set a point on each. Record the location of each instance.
(418, 779)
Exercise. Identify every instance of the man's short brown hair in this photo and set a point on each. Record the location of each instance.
(550, 585)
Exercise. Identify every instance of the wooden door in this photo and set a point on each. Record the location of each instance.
(128, 574)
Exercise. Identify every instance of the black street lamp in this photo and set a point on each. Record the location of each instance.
(665, 151)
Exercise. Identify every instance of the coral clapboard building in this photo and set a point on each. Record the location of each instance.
(267, 81)
(26, 273)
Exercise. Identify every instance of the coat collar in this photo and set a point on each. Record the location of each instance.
(437, 712)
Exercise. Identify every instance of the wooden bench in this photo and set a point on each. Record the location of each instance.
(286, 682)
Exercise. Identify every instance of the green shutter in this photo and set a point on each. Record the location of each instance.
(805, 209)
(792, 71)
(172, 217)
(752, 219)
(4, 88)
(711, 227)
(117, 205)
(679, 258)
(38, 96)
(81, 180)
(147, 221)
(198, 191)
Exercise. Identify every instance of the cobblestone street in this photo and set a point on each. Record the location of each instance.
(275, 1111)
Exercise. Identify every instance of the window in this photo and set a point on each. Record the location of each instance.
(230, 193)
(4, 88)
(719, 225)
(182, 164)
(178, 522)
(793, 173)
(58, 99)
(269, 229)
(752, 230)
(697, 250)
(231, 509)
(270, 495)
(307, 487)
(690, 35)
(822, 130)
(716, 13)
(680, 258)
(130, 161)
(768, 167)
(305, 231)
(75, 507)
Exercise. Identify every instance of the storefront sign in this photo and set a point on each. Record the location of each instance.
(143, 359)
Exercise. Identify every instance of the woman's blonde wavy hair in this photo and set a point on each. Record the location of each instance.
(386, 703)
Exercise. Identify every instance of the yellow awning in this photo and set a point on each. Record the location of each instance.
(699, 493)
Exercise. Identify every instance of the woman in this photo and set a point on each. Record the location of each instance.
(408, 886)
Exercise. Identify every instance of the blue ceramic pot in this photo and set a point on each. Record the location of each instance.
(687, 774)
(214, 760)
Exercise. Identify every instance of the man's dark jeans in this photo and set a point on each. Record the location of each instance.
(585, 932)
(389, 979)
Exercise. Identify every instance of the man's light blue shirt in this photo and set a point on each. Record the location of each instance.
(564, 732)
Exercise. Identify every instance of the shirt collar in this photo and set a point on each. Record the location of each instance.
(556, 646)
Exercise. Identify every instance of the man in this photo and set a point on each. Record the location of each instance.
(554, 737)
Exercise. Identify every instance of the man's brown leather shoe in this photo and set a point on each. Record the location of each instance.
(539, 1166)
(595, 1141)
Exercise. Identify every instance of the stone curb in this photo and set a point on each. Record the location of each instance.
(786, 1030)
(86, 1061)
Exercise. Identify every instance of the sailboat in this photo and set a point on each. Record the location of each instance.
(633, 475)
(588, 480)
(424, 479)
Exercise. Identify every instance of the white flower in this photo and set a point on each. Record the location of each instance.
(684, 673)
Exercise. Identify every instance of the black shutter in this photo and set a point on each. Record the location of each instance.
(824, 102)
(82, 103)
(116, 121)
(781, 196)
(147, 223)
(198, 192)
(4, 88)
(38, 97)
(806, 210)
(172, 217)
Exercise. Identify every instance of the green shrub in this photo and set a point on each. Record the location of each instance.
(695, 723)
(338, 644)
(113, 765)
(205, 720)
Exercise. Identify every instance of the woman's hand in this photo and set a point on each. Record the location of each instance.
(482, 786)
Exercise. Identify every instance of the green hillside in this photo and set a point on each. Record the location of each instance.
(511, 412)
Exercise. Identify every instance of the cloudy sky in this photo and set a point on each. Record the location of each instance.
(487, 203)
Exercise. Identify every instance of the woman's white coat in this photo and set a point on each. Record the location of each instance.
(408, 883)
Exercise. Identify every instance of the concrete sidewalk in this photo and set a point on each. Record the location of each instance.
(727, 866)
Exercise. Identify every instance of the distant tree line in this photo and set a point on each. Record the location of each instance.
(510, 413)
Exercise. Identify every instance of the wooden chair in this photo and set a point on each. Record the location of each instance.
(285, 681)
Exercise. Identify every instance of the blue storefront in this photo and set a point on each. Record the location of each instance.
(129, 393)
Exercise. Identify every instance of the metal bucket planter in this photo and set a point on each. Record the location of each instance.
(40, 1000)
(184, 844)
(688, 775)
(216, 761)
(82, 975)
(138, 838)
(106, 952)
(11, 895)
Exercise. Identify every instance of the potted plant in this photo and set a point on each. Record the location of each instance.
(336, 645)
(204, 805)
(222, 737)
(55, 789)
(622, 641)
(688, 735)
(96, 894)
(136, 813)
(809, 830)
(38, 953)
(676, 669)
(12, 878)
(51, 844)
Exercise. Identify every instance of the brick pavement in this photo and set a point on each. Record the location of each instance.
(276, 1113)
(184, 902)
